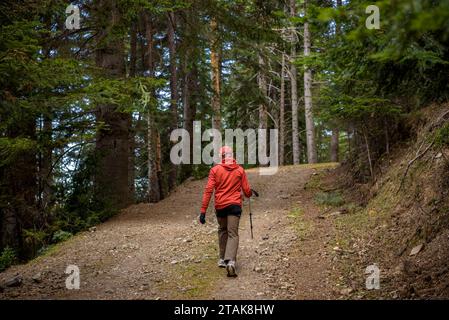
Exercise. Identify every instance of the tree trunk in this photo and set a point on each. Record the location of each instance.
(368, 152)
(335, 145)
(190, 78)
(189, 108)
(132, 142)
(46, 165)
(133, 50)
(19, 189)
(310, 126)
(216, 75)
(173, 90)
(45, 156)
(262, 83)
(112, 141)
(154, 191)
(158, 163)
(294, 89)
(282, 114)
(335, 141)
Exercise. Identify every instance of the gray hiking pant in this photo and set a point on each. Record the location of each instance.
(228, 236)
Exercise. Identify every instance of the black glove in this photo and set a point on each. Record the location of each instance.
(202, 218)
(255, 192)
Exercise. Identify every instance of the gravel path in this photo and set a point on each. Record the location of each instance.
(160, 251)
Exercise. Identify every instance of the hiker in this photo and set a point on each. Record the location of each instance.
(227, 179)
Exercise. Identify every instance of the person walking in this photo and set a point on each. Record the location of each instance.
(228, 180)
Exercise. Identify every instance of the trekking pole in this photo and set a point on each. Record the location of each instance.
(250, 213)
(250, 217)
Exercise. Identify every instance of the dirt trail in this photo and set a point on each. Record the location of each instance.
(160, 251)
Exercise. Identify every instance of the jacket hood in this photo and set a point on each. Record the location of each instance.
(229, 164)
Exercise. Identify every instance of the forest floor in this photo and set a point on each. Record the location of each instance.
(160, 251)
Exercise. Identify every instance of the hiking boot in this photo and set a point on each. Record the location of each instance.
(230, 268)
(221, 263)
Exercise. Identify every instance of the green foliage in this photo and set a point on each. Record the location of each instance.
(81, 208)
(33, 241)
(11, 148)
(7, 258)
(333, 199)
(60, 235)
(442, 136)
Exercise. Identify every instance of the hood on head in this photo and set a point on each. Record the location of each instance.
(229, 164)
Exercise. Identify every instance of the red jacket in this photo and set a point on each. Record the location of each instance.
(228, 180)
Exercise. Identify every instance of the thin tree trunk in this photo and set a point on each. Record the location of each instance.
(154, 191)
(46, 164)
(132, 142)
(189, 69)
(282, 113)
(348, 136)
(173, 90)
(262, 83)
(369, 155)
(335, 138)
(216, 75)
(294, 90)
(188, 108)
(310, 126)
(158, 163)
(133, 50)
(335, 145)
(387, 138)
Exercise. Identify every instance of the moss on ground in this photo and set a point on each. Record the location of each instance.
(332, 199)
(196, 278)
(302, 226)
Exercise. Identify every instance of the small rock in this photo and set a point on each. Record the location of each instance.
(337, 249)
(109, 291)
(439, 155)
(346, 291)
(265, 237)
(284, 196)
(258, 269)
(13, 282)
(93, 229)
(259, 294)
(416, 249)
(174, 262)
(187, 240)
(37, 277)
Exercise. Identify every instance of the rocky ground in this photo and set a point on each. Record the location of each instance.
(160, 251)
